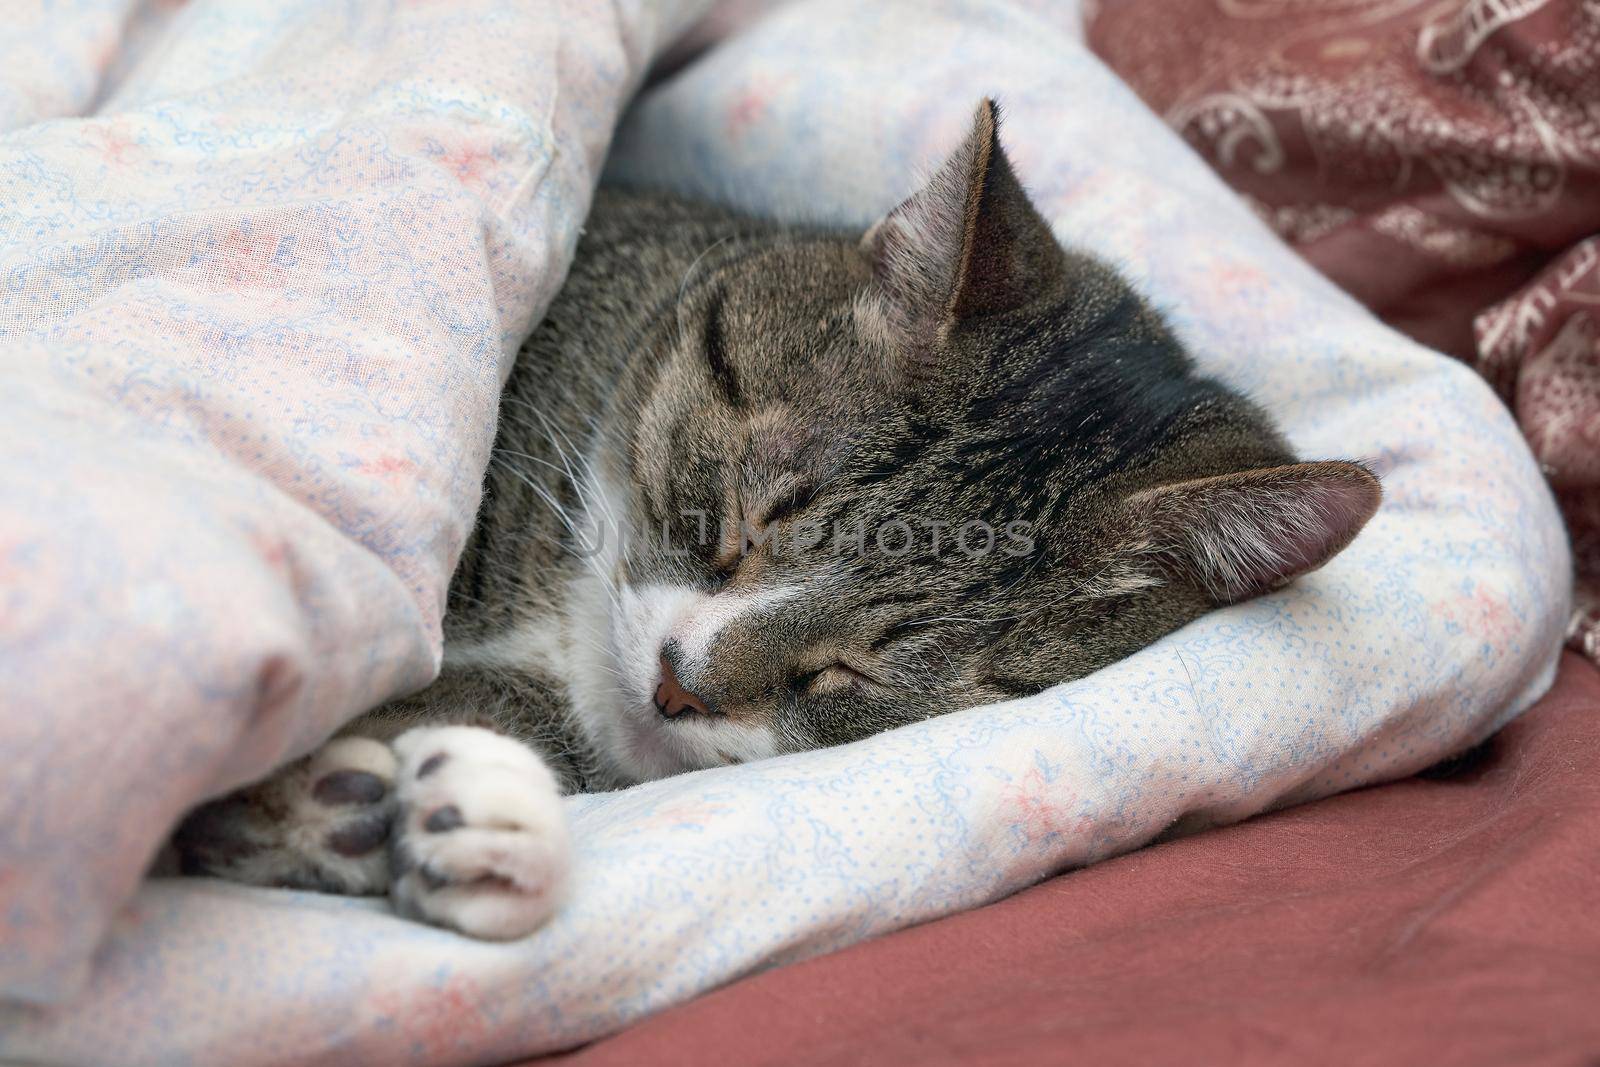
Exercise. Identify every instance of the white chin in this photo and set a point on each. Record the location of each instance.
(649, 750)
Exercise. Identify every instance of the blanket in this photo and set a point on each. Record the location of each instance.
(256, 309)
(1445, 919)
(1441, 162)
(258, 297)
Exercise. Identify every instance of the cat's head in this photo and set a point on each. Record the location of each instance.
(867, 482)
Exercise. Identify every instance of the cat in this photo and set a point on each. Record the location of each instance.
(759, 489)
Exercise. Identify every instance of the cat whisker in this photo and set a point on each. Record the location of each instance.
(606, 655)
(549, 431)
(549, 499)
(683, 286)
(590, 495)
(606, 581)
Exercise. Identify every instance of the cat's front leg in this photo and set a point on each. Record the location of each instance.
(480, 840)
(460, 824)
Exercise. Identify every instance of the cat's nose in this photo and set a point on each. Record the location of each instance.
(672, 699)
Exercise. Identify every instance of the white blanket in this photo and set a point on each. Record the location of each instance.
(253, 314)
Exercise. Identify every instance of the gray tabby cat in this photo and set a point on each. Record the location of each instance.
(758, 490)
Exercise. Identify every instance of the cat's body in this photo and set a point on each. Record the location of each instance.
(758, 490)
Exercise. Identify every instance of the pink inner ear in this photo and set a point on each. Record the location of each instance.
(1244, 534)
(1336, 508)
(916, 248)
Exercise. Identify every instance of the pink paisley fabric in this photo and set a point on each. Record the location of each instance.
(1440, 161)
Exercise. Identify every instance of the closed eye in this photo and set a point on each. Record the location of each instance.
(790, 505)
(831, 678)
(898, 632)
(786, 505)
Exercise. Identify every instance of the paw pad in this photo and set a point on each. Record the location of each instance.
(360, 837)
(349, 787)
(319, 823)
(444, 819)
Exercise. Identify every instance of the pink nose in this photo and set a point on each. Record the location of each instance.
(672, 699)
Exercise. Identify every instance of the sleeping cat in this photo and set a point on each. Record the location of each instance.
(759, 489)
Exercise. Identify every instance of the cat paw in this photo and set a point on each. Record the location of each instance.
(320, 823)
(481, 841)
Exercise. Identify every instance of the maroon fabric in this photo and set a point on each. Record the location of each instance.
(1451, 921)
(1439, 159)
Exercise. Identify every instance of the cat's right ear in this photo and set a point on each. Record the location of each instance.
(968, 244)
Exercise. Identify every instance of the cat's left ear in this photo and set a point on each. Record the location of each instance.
(1241, 535)
(966, 245)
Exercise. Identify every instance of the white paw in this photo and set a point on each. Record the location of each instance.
(481, 841)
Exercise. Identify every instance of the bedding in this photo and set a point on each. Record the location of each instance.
(1441, 162)
(1442, 920)
(257, 307)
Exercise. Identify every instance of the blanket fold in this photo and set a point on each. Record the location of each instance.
(255, 316)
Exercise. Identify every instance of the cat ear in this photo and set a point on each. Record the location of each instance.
(1243, 534)
(967, 244)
